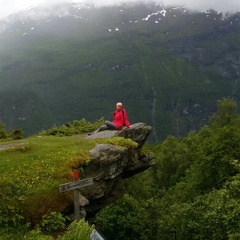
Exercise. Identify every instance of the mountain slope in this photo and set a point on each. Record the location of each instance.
(168, 65)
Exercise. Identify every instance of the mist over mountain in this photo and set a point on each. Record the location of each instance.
(13, 6)
(169, 65)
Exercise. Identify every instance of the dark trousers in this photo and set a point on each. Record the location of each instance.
(109, 126)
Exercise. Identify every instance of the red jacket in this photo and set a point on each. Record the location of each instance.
(121, 118)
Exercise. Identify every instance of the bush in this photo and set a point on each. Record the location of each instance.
(3, 131)
(53, 222)
(78, 230)
(37, 235)
(69, 129)
(13, 134)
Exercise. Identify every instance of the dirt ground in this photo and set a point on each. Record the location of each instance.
(9, 145)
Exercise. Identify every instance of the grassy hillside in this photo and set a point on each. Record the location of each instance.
(31, 173)
(168, 70)
(32, 170)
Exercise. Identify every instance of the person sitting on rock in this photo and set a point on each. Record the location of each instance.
(120, 120)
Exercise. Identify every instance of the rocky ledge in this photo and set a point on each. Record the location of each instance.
(110, 164)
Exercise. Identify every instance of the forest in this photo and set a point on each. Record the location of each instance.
(193, 191)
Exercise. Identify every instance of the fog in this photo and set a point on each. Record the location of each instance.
(12, 6)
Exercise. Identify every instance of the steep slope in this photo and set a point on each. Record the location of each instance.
(168, 65)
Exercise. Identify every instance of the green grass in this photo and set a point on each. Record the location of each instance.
(41, 150)
(32, 170)
(43, 159)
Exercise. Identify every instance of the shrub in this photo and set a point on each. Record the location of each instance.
(2, 131)
(78, 230)
(53, 222)
(37, 235)
(13, 134)
(69, 129)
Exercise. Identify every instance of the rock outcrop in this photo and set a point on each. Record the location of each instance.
(110, 164)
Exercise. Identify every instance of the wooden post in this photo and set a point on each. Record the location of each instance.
(76, 196)
(76, 185)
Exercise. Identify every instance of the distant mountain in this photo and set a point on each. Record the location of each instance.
(168, 65)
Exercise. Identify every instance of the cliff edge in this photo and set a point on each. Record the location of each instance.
(110, 164)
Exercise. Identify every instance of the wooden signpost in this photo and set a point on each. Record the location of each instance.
(75, 185)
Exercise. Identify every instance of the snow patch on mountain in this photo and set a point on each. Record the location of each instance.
(37, 15)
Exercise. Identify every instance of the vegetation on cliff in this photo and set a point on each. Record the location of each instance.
(31, 171)
(191, 193)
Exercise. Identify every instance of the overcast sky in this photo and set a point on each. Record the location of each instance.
(8, 7)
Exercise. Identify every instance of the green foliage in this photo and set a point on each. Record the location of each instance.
(226, 114)
(53, 222)
(69, 129)
(125, 219)
(173, 165)
(193, 190)
(120, 141)
(14, 232)
(191, 193)
(32, 172)
(78, 230)
(12, 134)
(43, 162)
(2, 131)
(37, 235)
(214, 215)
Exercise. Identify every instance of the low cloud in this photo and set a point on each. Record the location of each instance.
(201, 5)
(218, 5)
(11, 6)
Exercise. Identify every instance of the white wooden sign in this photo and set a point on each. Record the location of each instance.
(74, 185)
